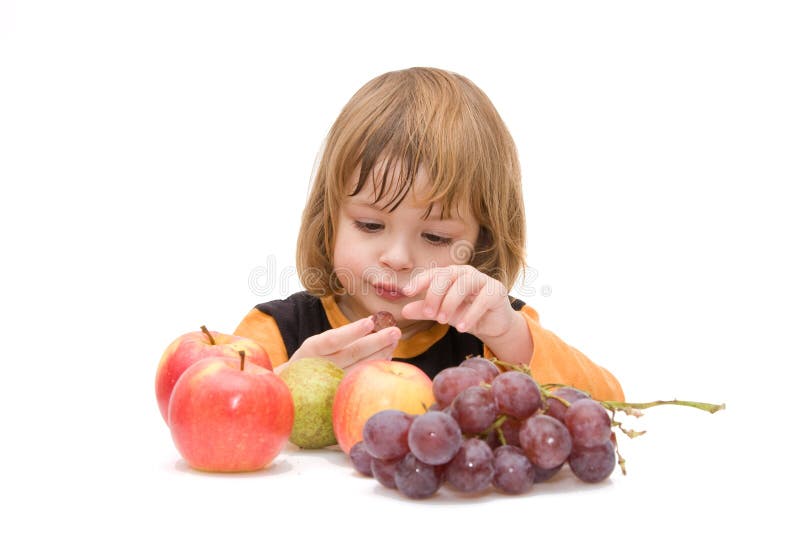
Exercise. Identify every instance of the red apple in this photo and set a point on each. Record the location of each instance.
(194, 346)
(228, 415)
(374, 386)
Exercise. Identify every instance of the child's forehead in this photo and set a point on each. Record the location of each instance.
(384, 191)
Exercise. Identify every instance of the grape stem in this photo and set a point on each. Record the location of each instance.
(496, 428)
(630, 408)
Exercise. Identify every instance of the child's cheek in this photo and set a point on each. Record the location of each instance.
(346, 268)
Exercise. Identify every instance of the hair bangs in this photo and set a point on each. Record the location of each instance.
(410, 134)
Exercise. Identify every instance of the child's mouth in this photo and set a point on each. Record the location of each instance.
(388, 293)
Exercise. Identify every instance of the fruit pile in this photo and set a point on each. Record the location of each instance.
(481, 424)
(489, 428)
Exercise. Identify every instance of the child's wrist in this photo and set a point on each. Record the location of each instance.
(515, 345)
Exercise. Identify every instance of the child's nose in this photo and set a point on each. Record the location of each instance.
(396, 256)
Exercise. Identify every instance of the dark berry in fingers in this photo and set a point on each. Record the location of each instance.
(383, 319)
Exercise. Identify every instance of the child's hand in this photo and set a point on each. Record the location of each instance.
(462, 296)
(350, 344)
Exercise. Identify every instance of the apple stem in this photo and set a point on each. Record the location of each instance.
(241, 355)
(206, 332)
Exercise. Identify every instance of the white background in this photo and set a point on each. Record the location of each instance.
(154, 155)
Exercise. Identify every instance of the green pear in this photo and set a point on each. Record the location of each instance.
(313, 383)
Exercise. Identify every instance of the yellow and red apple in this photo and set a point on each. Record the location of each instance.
(228, 415)
(374, 386)
(194, 346)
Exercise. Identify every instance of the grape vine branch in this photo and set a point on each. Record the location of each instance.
(628, 408)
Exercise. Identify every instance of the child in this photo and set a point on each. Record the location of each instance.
(416, 209)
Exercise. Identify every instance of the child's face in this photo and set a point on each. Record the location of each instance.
(377, 252)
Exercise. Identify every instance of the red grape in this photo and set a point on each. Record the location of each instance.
(588, 423)
(361, 459)
(593, 464)
(474, 409)
(383, 471)
(434, 438)
(516, 394)
(545, 440)
(510, 430)
(487, 369)
(383, 319)
(448, 383)
(472, 468)
(543, 475)
(385, 434)
(556, 408)
(416, 479)
(513, 471)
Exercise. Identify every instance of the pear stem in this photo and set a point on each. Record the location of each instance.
(241, 365)
(206, 332)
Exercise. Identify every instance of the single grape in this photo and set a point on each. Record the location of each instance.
(416, 479)
(543, 475)
(434, 437)
(545, 440)
(513, 471)
(516, 394)
(361, 459)
(487, 369)
(383, 319)
(472, 468)
(556, 408)
(383, 471)
(588, 423)
(510, 429)
(593, 464)
(502, 449)
(451, 381)
(385, 434)
(474, 409)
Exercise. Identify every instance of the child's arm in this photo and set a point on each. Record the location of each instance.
(474, 302)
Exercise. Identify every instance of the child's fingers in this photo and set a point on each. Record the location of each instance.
(336, 339)
(462, 291)
(474, 312)
(447, 289)
(419, 283)
(414, 310)
(385, 354)
(435, 283)
(381, 341)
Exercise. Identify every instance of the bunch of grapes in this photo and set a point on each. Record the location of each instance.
(487, 429)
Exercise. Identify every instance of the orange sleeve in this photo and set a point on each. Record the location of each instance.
(263, 329)
(555, 362)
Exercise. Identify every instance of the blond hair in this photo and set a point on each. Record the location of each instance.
(411, 118)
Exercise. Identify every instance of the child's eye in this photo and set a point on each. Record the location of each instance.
(437, 240)
(367, 226)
